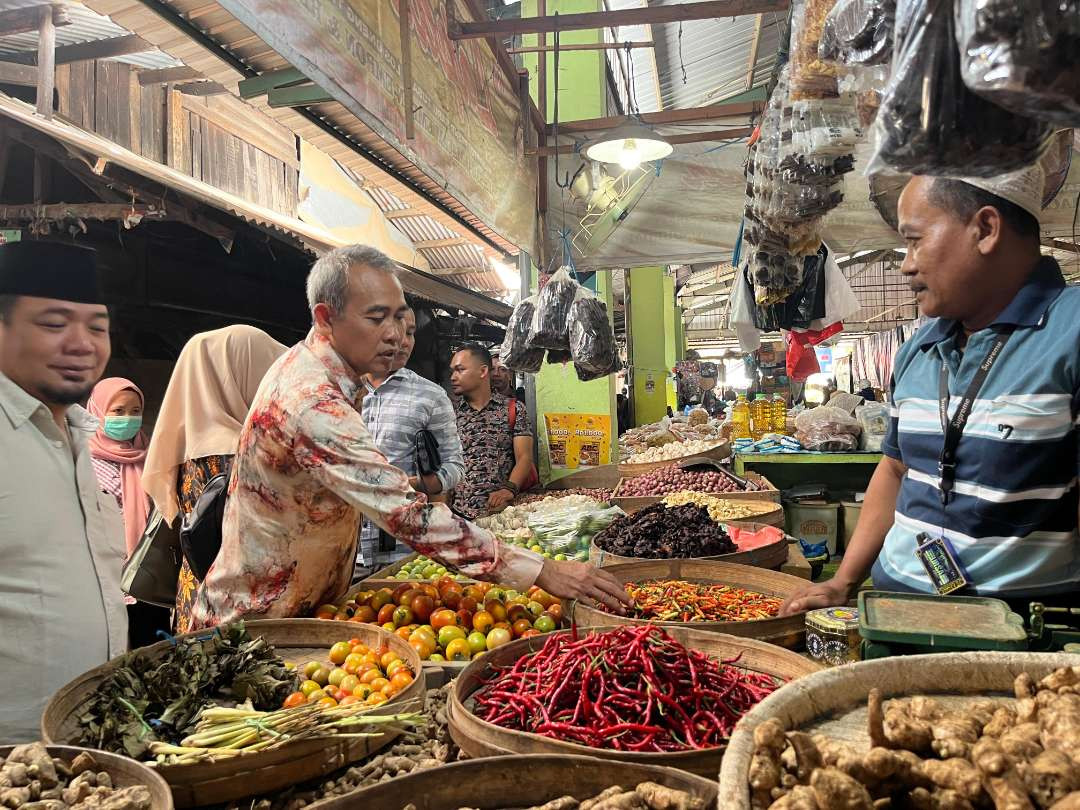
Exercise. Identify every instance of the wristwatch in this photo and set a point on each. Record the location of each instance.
(510, 485)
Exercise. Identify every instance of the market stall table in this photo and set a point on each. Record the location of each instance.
(838, 471)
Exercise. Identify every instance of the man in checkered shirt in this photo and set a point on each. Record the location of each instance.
(394, 410)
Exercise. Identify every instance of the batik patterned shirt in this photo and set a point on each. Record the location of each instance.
(487, 439)
(305, 473)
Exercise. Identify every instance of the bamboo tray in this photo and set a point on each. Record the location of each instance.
(772, 556)
(296, 640)
(502, 781)
(771, 513)
(768, 492)
(787, 631)
(123, 771)
(833, 701)
(478, 738)
(629, 469)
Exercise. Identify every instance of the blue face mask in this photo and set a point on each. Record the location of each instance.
(122, 428)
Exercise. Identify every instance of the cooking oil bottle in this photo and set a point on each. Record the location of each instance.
(760, 417)
(740, 418)
(779, 415)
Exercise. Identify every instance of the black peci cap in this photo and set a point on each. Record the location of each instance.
(50, 270)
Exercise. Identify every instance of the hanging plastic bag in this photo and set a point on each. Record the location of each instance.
(929, 122)
(858, 32)
(516, 354)
(1024, 57)
(592, 341)
(740, 318)
(551, 320)
(825, 127)
(810, 76)
(801, 359)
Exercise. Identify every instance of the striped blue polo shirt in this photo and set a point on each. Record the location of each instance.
(1012, 519)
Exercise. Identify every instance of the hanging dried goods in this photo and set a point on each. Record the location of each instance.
(516, 354)
(592, 340)
(551, 320)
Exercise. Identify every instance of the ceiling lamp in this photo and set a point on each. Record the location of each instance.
(629, 145)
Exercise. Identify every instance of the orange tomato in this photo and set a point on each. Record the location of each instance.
(348, 699)
(532, 631)
(458, 650)
(395, 666)
(375, 698)
(404, 632)
(442, 618)
(328, 701)
(388, 658)
(543, 597)
(420, 646)
(326, 612)
(520, 627)
(556, 611)
(483, 621)
(496, 608)
(386, 613)
(401, 679)
(362, 691)
(354, 641)
(389, 627)
(378, 684)
(295, 699)
(501, 626)
(371, 675)
(352, 663)
(364, 614)
(361, 649)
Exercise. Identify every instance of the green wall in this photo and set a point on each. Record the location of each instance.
(671, 340)
(648, 352)
(581, 95)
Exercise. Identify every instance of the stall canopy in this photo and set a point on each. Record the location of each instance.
(98, 152)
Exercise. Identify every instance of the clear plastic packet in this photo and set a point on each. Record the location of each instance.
(873, 417)
(1023, 57)
(569, 530)
(551, 320)
(827, 429)
(929, 122)
(810, 76)
(516, 354)
(825, 127)
(858, 32)
(592, 340)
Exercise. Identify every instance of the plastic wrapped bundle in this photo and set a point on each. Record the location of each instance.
(592, 341)
(1024, 57)
(827, 429)
(929, 122)
(551, 321)
(825, 127)
(810, 76)
(858, 32)
(556, 356)
(516, 354)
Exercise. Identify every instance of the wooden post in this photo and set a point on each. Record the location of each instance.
(46, 62)
(541, 104)
(175, 122)
(406, 68)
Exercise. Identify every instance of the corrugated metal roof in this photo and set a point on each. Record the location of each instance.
(86, 26)
(714, 53)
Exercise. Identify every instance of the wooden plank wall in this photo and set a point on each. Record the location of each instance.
(105, 97)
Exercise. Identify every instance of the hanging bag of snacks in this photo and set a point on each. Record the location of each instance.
(516, 354)
(592, 341)
(811, 77)
(858, 32)
(551, 320)
(929, 122)
(1024, 57)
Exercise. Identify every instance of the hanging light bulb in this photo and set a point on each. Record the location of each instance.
(629, 145)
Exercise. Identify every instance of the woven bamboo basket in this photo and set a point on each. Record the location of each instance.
(123, 771)
(765, 511)
(771, 556)
(787, 631)
(833, 701)
(297, 641)
(497, 782)
(478, 738)
(767, 491)
(719, 452)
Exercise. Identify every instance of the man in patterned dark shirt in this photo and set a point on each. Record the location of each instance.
(496, 439)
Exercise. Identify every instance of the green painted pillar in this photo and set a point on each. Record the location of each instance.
(648, 352)
(670, 340)
(581, 95)
(680, 335)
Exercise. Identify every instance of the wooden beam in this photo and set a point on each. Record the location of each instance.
(1058, 244)
(202, 89)
(244, 131)
(25, 75)
(301, 95)
(29, 212)
(27, 19)
(175, 123)
(687, 116)
(406, 68)
(265, 82)
(691, 137)
(441, 243)
(455, 271)
(402, 213)
(46, 59)
(585, 46)
(166, 75)
(98, 49)
(679, 12)
(755, 43)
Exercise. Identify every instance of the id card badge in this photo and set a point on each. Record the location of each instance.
(940, 561)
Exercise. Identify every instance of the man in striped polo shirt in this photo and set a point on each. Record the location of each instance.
(1002, 492)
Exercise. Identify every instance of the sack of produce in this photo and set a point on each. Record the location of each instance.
(810, 76)
(592, 340)
(929, 122)
(516, 353)
(827, 429)
(858, 32)
(551, 320)
(1024, 57)
(697, 416)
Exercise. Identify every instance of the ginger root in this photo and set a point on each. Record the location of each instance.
(1050, 777)
(835, 790)
(658, 797)
(955, 774)
(1070, 802)
(801, 797)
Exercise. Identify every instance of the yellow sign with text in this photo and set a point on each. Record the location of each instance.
(578, 440)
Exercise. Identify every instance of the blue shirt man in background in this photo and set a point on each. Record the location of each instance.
(1009, 515)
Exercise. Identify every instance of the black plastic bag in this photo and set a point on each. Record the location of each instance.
(551, 321)
(858, 32)
(1024, 57)
(516, 354)
(592, 340)
(929, 122)
(556, 356)
(803, 306)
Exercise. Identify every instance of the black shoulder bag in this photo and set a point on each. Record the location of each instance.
(200, 533)
(428, 460)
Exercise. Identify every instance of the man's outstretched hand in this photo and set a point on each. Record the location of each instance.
(575, 580)
(831, 593)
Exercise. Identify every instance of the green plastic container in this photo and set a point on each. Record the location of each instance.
(905, 623)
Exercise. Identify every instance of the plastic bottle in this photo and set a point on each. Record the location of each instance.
(779, 415)
(740, 418)
(760, 417)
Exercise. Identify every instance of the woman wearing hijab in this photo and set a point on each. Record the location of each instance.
(198, 426)
(117, 453)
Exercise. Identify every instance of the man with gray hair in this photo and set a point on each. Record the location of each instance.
(307, 471)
